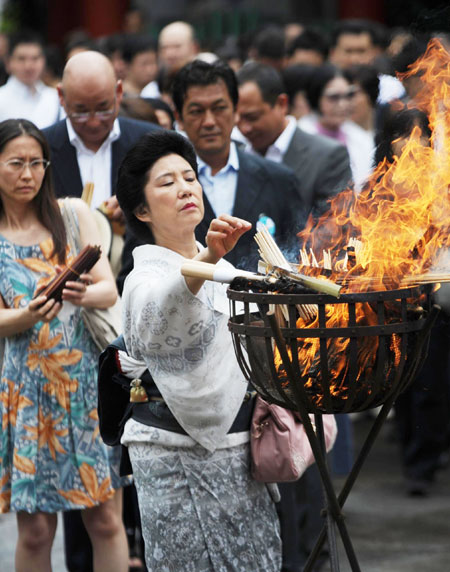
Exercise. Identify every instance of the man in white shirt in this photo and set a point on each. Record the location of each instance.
(24, 95)
(321, 165)
(234, 182)
(90, 143)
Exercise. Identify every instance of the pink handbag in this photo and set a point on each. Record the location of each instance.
(279, 446)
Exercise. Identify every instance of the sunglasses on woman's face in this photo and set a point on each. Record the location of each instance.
(336, 97)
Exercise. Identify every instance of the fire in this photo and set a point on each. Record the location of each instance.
(398, 228)
(402, 218)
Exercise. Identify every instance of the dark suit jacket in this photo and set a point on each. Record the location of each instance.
(322, 167)
(263, 187)
(64, 164)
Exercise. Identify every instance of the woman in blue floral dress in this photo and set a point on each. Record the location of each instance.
(51, 455)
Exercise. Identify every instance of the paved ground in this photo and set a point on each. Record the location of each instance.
(390, 531)
(8, 537)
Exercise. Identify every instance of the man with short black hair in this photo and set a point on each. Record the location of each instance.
(141, 59)
(24, 95)
(269, 47)
(320, 164)
(353, 42)
(309, 47)
(234, 182)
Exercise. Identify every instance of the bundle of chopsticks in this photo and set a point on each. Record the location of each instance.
(80, 265)
(275, 260)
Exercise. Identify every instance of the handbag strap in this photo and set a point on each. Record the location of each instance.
(71, 224)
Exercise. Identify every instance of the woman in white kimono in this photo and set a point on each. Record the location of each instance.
(200, 508)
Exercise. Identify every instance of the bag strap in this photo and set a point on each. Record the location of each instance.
(70, 222)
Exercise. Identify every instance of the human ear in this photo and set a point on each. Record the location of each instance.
(283, 102)
(119, 92)
(60, 91)
(142, 213)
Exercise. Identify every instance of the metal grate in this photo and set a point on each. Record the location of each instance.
(356, 365)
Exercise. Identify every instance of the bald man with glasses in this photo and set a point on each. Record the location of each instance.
(90, 143)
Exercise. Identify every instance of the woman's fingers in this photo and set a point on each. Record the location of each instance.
(36, 302)
(44, 309)
(52, 312)
(77, 286)
(234, 220)
(86, 278)
(217, 234)
(229, 224)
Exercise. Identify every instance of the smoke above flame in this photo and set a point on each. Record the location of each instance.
(401, 220)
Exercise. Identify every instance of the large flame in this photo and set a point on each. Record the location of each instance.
(401, 224)
(402, 217)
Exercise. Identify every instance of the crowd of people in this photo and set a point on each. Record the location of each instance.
(188, 150)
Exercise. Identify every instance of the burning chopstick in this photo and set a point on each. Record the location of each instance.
(426, 279)
(80, 264)
(317, 284)
(88, 193)
(272, 256)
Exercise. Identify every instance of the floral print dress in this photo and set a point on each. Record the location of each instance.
(51, 455)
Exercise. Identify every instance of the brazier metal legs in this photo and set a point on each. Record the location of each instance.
(334, 503)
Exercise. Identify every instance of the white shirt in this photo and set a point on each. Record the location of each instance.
(151, 90)
(220, 188)
(277, 150)
(95, 166)
(39, 104)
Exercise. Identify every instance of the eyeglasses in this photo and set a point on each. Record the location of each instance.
(83, 117)
(17, 165)
(336, 97)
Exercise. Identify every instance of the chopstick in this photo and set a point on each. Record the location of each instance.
(88, 193)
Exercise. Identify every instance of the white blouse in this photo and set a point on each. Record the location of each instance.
(185, 343)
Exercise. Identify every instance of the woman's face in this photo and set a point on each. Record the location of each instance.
(21, 184)
(173, 198)
(335, 103)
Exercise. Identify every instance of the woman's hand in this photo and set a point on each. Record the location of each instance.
(75, 291)
(42, 309)
(17, 320)
(223, 234)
